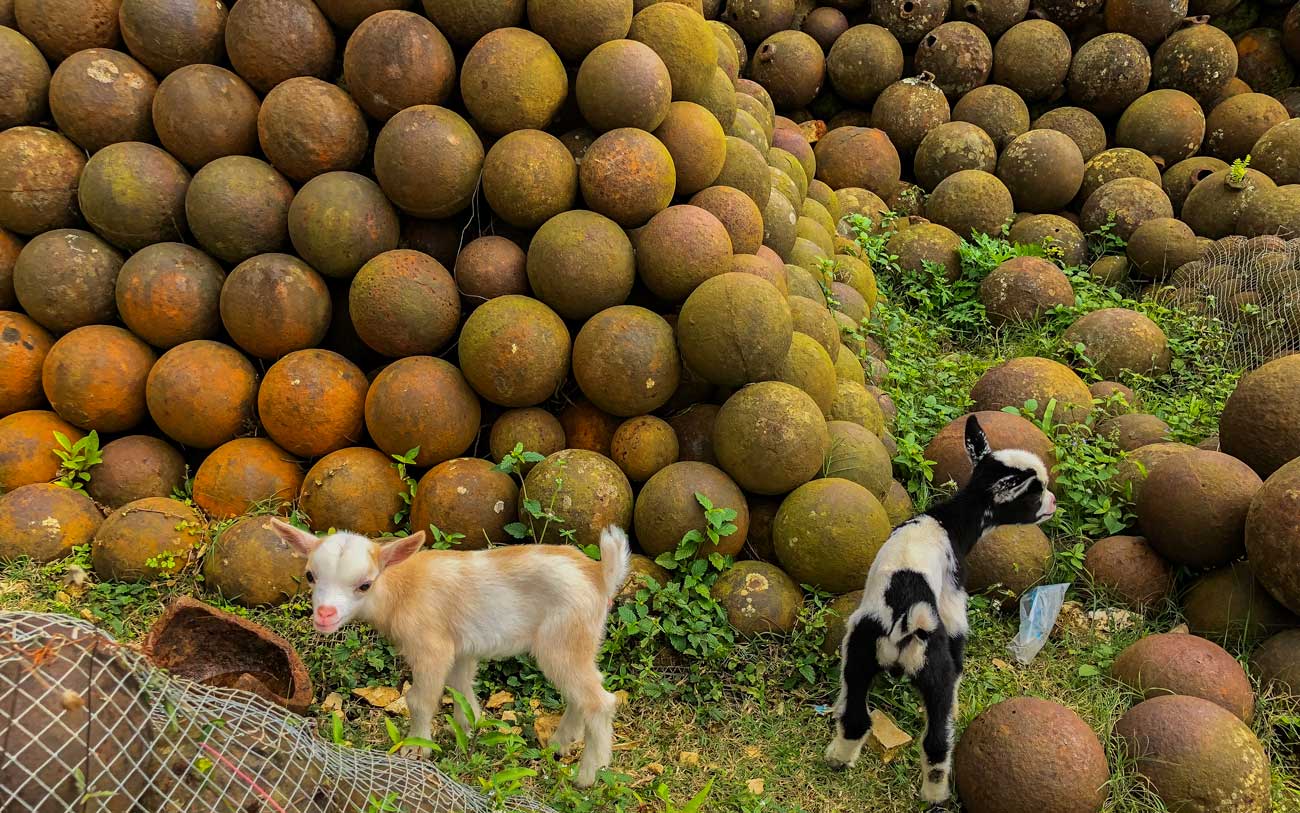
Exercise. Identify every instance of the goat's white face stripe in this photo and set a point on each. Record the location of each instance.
(1021, 459)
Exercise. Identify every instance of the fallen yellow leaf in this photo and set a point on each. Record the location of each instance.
(755, 786)
(753, 751)
(689, 758)
(333, 702)
(655, 768)
(545, 725)
(886, 737)
(508, 716)
(399, 707)
(378, 696)
(998, 663)
(499, 699)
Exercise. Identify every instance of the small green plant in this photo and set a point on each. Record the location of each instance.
(77, 459)
(1104, 242)
(401, 462)
(719, 523)
(695, 805)
(165, 561)
(185, 491)
(1237, 172)
(388, 803)
(443, 540)
(513, 463)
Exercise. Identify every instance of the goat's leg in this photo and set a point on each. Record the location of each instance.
(589, 709)
(852, 715)
(428, 677)
(938, 684)
(462, 680)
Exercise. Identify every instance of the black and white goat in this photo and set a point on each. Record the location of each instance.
(912, 619)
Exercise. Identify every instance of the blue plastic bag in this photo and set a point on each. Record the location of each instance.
(1039, 608)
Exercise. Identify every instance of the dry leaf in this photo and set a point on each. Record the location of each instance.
(998, 663)
(1181, 628)
(499, 699)
(886, 737)
(399, 707)
(545, 725)
(62, 597)
(755, 786)
(655, 768)
(689, 758)
(378, 696)
(333, 702)
(508, 716)
(813, 130)
(753, 751)
(621, 696)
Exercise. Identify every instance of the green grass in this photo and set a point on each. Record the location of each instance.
(718, 723)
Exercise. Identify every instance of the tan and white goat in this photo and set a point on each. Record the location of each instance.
(446, 610)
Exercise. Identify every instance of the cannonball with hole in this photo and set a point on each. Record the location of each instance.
(464, 22)
(312, 402)
(488, 267)
(771, 437)
(25, 99)
(808, 367)
(44, 522)
(856, 454)
(133, 194)
(146, 539)
(1130, 202)
(623, 83)
(1030, 378)
(1024, 289)
(169, 294)
(746, 169)
(950, 148)
(308, 127)
(468, 501)
(397, 44)
(1118, 339)
(243, 474)
(1128, 568)
(204, 112)
(759, 598)
(1179, 179)
(1195, 755)
(273, 304)
(514, 351)
(60, 28)
(23, 347)
(1231, 607)
(737, 212)
(585, 489)
(135, 467)
(27, 444)
(251, 565)
(1043, 170)
(271, 41)
(404, 303)
(202, 393)
(997, 110)
(858, 157)
(428, 161)
(1259, 423)
(971, 201)
(1181, 664)
(864, 61)
(828, 532)
(580, 263)
(728, 351)
(167, 35)
(529, 177)
(642, 446)
(1003, 430)
(94, 378)
(959, 55)
(66, 279)
(1027, 754)
(791, 66)
(1273, 535)
(356, 489)
(339, 221)
(587, 426)
(39, 174)
(425, 402)
(537, 430)
(512, 80)
(667, 509)
(1193, 507)
(627, 175)
(100, 97)
(1008, 560)
(625, 360)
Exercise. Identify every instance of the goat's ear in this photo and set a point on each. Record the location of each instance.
(977, 445)
(1012, 487)
(303, 541)
(396, 551)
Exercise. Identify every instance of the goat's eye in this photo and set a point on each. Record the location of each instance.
(364, 586)
(310, 578)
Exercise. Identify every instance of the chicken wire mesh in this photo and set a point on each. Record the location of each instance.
(87, 724)
(1253, 286)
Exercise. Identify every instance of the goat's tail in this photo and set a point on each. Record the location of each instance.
(615, 558)
(917, 623)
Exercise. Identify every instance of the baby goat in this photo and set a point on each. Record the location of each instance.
(446, 610)
(912, 619)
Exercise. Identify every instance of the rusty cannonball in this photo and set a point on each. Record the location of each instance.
(683, 41)
(1030, 378)
(1033, 59)
(997, 110)
(860, 158)
(341, 220)
(697, 144)
(1214, 205)
(94, 378)
(250, 564)
(574, 28)
(44, 522)
(464, 22)
(238, 207)
(740, 216)
(1272, 536)
(625, 361)
(1023, 290)
(356, 489)
(909, 109)
(167, 35)
(23, 347)
(39, 174)
(270, 41)
(60, 28)
(627, 175)
(273, 304)
(751, 449)
(1198, 60)
(1189, 665)
(202, 393)
(514, 351)
(404, 303)
(1082, 126)
(488, 267)
(950, 148)
(1055, 232)
(864, 61)
(667, 508)
(1262, 62)
(1129, 201)
(312, 402)
(642, 446)
(425, 402)
(243, 474)
(133, 194)
(529, 177)
(27, 444)
(969, 201)
(1134, 430)
(958, 54)
(512, 80)
(1161, 246)
(170, 293)
(1118, 339)
(428, 160)
(1109, 73)
(791, 66)
(587, 490)
(24, 100)
(205, 112)
(66, 279)
(1043, 170)
(711, 335)
(146, 540)
(1193, 507)
(396, 59)
(580, 263)
(745, 169)
(135, 467)
(1275, 153)
(1237, 123)
(468, 501)
(681, 248)
(623, 83)
(1113, 164)
(588, 427)
(1166, 124)
(100, 97)
(308, 127)
(1128, 568)
(535, 429)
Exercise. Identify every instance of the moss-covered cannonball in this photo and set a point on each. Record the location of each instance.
(250, 564)
(627, 175)
(1083, 128)
(746, 169)
(855, 404)
(1195, 755)
(909, 109)
(1033, 59)
(864, 61)
(1003, 430)
(780, 221)
(574, 28)
(1272, 212)
(791, 66)
(100, 97)
(952, 147)
(927, 243)
(737, 212)
(1234, 126)
(39, 174)
(514, 351)
(488, 267)
(238, 207)
(697, 144)
(997, 110)
(827, 534)
(339, 221)
(971, 201)
(1262, 61)
(356, 489)
(583, 487)
(60, 28)
(535, 429)
(625, 360)
(1027, 754)
(1009, 560)
(167, 36)
(1160, 246)
(857, 454)
(1116, 398)
(667, 508)
(1118, 339)
(1043, 170)
(1214, 205)
(1137, 465)
(682, 40)
(24, 100)
(94, 378)
(858, 157)
(1273, 535)
(759, 598)
(43, 522)
(513, 80)
(813, 319)
(1108, 73)
(244, 473)
(1023, 289)
(623, 83)
(146, 539)
(958, 55)
(204, 112)
(169, 293)
(1052, 231)
(1276, 662)
(133, 194)
(1134, 430)
(396, 59)
(641, 571)
(1230, 606)
(468, 500)
(27, 445)
(464, 22)
(425, 402)
(771, 437)
(273, 304)
(808, 367)
(271, 41)
(837, 620)
(1127, 568)
(1031, 378)
(1113, 164)
(308, 127)
(729, 351)
(1259, 423)
(202, 393)
(529, 177)
(1129, 201)
(404, 303)
(23, 347)
(1179, 179)
(135, 467)
(1166, 124)
(643, 445)
(312, 402)
(428, 161)
(1275, 152)
(580, 263)
(1181, 664)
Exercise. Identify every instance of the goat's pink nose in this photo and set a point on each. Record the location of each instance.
(327, 614)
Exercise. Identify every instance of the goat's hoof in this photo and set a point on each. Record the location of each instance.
(415, 752)
(935, 793)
